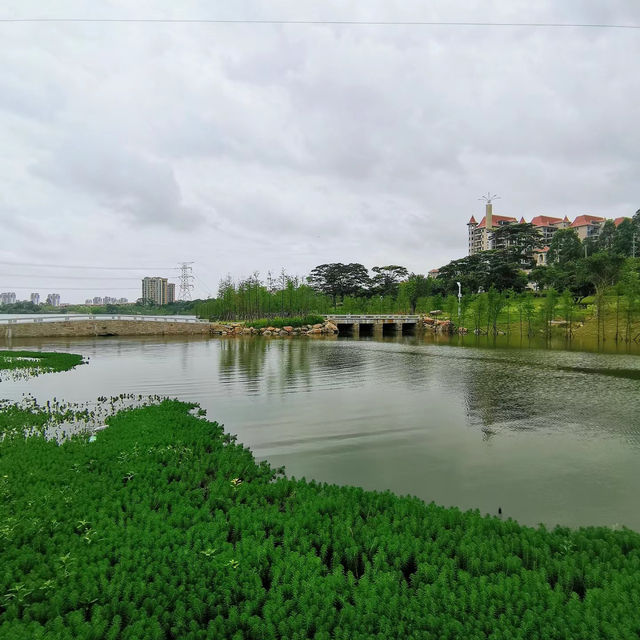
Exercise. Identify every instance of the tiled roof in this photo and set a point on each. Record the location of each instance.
(543, 250)
(495, 219)
(522, 220)
(584, 220)
(617, 221)
(472, 221)
(545, 221)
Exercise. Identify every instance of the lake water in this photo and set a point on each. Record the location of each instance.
(548, 436)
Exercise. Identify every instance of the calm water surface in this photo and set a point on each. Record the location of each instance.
(547, 435)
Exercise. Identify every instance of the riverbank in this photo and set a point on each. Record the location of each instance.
(242, 329)
(103, 327)
(164, 526)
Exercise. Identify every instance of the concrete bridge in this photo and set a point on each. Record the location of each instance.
(376, 325)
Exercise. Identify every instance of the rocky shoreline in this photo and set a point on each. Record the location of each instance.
(240, 329)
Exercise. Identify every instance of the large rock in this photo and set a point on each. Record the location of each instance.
(317, 326)
(330, 325)
(446, 327)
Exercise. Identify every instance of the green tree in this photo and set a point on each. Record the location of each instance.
(623, 242)
(416, 287)
(567, 308)
(386, 279)
(519, 241)
(338, 280)
(606, 238)
(565, 247)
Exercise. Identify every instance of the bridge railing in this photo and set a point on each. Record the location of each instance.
(350, 317)
(75, 318)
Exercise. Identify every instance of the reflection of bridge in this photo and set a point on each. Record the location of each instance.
(377, 325)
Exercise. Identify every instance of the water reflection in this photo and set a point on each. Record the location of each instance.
(551, 435)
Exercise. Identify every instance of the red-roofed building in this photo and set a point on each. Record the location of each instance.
(480, 235)
(540, 256)
(548, 225)
(587, 226)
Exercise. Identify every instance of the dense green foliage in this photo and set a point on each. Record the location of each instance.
(164, 528)
(277, 322)
(36, 362)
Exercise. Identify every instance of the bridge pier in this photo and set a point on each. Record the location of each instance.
(378, 330)
(355, 330)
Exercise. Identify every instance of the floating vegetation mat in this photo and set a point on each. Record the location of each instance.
(161, 526)
(59, 420)
(24, 364)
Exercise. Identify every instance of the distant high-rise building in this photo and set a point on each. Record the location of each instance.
(88, 301)
(97, 300)
(35, 298)
(171, 292)
(53, 299)
(122, 301)
(155, 289)
(8, 298)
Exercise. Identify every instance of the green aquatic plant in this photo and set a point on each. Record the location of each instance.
(204, 542)
(33, 363)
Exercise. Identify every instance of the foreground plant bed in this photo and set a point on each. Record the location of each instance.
(164, 528)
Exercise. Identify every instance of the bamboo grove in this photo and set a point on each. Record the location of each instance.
(164, 527)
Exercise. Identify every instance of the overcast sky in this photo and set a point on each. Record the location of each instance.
(257, 147)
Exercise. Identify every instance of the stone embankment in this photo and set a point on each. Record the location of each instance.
(88, 328)
(241, 329)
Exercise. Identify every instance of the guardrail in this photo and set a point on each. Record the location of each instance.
(75, 318)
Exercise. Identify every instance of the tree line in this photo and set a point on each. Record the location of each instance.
(349, 288)
(580, 268)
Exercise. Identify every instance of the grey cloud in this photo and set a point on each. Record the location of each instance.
(293, 146)
(142, 189)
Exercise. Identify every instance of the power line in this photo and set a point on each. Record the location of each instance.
(76, 266)
(375, 23)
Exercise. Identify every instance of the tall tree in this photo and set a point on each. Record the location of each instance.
(338, 280)
(386, 279)
(518, 241)
(416, 287)
(607, 236)
(623, 240)
(565, 247)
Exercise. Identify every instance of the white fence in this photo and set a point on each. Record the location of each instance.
(96, 317)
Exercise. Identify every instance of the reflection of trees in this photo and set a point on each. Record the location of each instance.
(497, 391)
(281, 365)
(243, 359)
